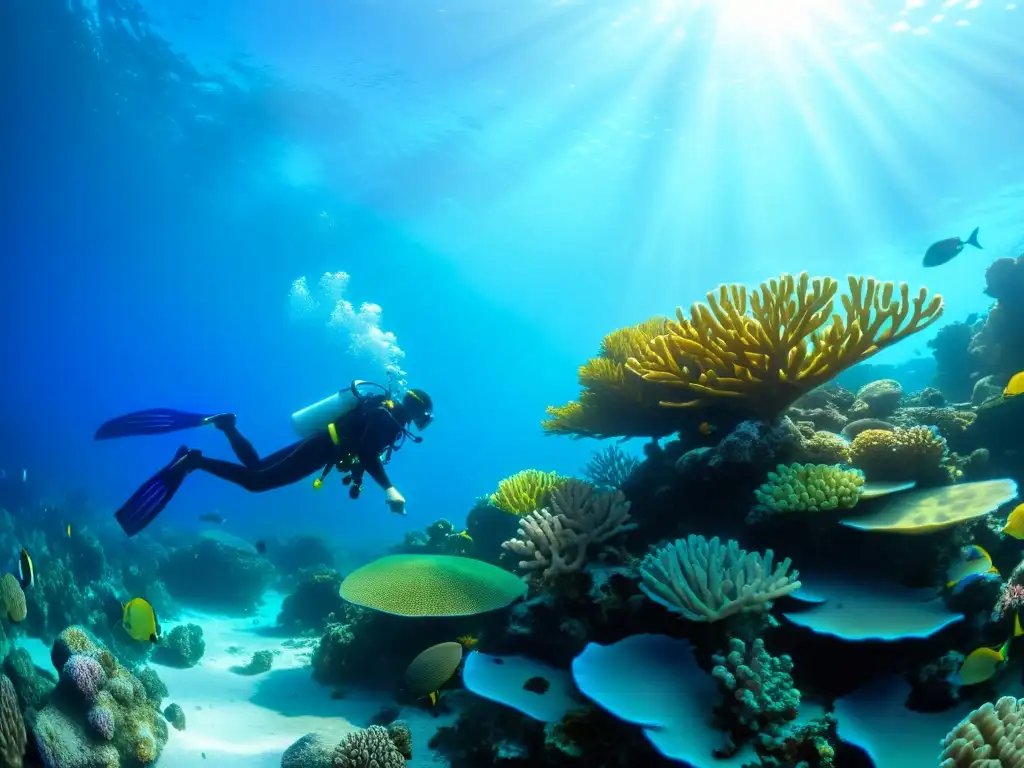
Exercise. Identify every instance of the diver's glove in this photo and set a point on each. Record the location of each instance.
(395, 500)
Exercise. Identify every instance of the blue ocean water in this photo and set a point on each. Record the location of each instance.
(507, 184)
(501, 185)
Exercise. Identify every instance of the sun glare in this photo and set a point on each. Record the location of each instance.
(770, 20)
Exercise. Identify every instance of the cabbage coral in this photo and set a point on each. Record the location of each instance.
(899, 454)
(810, 488)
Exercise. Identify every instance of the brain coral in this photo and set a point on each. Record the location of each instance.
(900, 454)
(13, 597)
(431, 585)
(810, 488)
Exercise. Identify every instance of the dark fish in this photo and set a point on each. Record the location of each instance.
(212, 517)
(944, 250)
(537, 685)
(261, 547)
(26, 570)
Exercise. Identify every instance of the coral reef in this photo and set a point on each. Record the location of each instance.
(312, 603)
(553, 544)
(242, 577)
(810, 488)
(182, 647)
(373, 747)
(708, 581)
(525, 491)
(757, 687)
(878, 399)
(900, 454)
(99, 713)
(992, 735)
(175, 715)
(12, 726)
(260, 662)
(610, 468)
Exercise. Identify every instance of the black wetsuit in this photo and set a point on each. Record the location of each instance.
(372, 429)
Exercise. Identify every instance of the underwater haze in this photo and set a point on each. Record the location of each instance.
(240, 207)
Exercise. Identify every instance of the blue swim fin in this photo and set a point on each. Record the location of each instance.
(154, 494)
(154, 421)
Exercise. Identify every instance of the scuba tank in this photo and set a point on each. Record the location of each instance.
(314, 418)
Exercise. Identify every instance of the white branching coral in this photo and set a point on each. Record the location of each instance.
(556, 541)
(708, 581)
(991, 736)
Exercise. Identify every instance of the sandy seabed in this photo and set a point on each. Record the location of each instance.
(239, 721)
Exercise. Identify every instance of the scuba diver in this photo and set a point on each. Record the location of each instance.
(353, 432)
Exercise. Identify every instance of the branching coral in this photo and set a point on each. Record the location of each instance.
(786, 342)
(991, 736)
(525, 491)
(810, 488)
(613, 401)
(899, 454)
(759, 685)
(708, 581)
(556, 543)
(609, 469)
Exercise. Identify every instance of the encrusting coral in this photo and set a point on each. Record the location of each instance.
(991, 736)
(554, 543)
(525, 491)
(810, 488)
(707, 581)
(898, 454)
(789, 341)
(99, 713)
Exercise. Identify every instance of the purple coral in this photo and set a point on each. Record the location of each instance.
(85, 674)
(101, 720)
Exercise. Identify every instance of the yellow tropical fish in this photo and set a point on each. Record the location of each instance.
(1015, 523)
(26, 570)
(982, 663)
(467, 641)
(68, 530)
(973, 561)
(434, 696)
(139, 621)
(464, 535)
(1016, 385)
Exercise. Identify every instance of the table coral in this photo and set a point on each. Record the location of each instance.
(558, 542)
(900, 454)
(810, 488)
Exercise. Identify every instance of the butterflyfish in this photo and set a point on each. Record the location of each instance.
(973, 562)
(1016, 385)
(982, 663)
(139, 621)
(26, 570)
(1015, 523)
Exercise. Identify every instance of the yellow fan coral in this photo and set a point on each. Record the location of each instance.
(525, 491)
(761, 351)
(613, 401)
(900, 454)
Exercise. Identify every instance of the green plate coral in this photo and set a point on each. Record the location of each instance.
(810, 488)
(431, 585)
